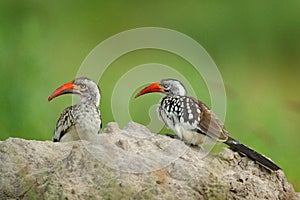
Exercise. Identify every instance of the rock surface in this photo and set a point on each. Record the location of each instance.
(132, 163)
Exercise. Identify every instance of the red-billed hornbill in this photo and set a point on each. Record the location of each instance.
(191, 119)
(82, 120)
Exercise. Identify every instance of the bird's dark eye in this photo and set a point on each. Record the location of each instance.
(167, 87)
(82, 86)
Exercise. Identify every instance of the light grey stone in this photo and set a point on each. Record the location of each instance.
(132, 163)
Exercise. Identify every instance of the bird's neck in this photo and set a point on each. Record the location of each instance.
(89, 100)
(96, 100)
(178, 92)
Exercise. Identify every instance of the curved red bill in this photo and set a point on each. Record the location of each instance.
(155, 87)
(64, 89)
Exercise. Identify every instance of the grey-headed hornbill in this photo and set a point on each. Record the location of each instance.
(81, 121)
(191, 120)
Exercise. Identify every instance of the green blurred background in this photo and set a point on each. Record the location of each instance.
(256, 46)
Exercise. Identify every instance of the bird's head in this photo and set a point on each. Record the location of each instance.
(167, 86)
(87, 90)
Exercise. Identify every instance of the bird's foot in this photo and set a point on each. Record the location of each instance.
(171, 135)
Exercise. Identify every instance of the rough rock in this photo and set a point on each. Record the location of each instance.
(132, 163)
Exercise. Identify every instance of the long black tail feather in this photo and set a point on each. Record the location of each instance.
(250, 153)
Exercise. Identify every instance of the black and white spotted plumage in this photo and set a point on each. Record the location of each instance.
(187, 116)
(184, 115)
(81, 121)
(191, 120)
